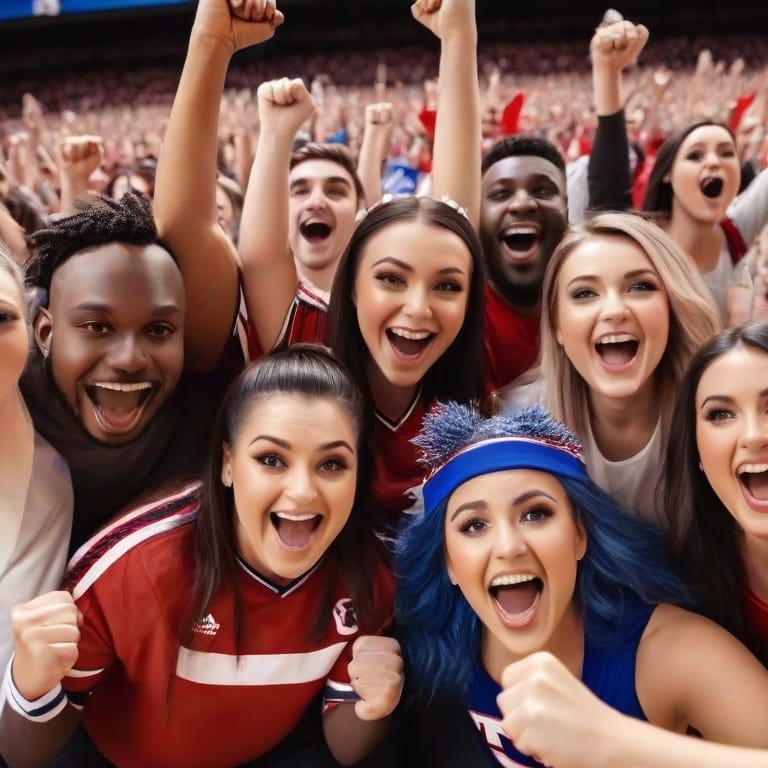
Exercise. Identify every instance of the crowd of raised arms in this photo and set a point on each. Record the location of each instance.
(425, 430)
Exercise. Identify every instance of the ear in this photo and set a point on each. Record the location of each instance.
(42, 327)
(581, 540)
(559, 336)
(226, 465)
(667, 179)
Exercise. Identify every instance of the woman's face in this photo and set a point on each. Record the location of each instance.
(411, 292)
(512, 546)
(705, 174)
(732, 435)
(293, 471)
(612, 315)
(14, 336)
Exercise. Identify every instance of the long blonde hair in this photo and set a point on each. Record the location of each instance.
(693, 315)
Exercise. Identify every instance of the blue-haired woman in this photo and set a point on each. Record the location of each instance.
(520, 558)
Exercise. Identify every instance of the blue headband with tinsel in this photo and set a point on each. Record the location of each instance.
(498, 454)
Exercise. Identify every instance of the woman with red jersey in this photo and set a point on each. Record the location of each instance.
(200, 628)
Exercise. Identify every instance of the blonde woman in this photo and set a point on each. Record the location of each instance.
(624, 310)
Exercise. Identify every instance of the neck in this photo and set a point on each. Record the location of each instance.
(317, 278)
(622, 427)
(701, 240)
(754, 554)
(389, 400)
(14, 417)
(524, 301)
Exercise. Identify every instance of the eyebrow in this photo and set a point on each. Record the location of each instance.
(329, 446)
(728, 398)
(105, 309)
(521, 499)
(409, 268)
(635, 273)
(324, 179)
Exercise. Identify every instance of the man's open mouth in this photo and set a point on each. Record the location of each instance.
(118, 406)
(315, 231)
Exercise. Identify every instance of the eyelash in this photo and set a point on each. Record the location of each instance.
(718, 414)
(8, 317)
(542, 511)
(274, 461)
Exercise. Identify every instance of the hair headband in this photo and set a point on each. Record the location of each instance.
(498, 454)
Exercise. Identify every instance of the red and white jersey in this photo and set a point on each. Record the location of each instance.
(397, 472)
(305, 321)
(511, 341)
(153, 696)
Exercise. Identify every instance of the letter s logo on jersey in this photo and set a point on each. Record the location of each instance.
(345, 617)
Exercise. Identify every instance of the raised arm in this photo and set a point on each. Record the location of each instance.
(268, 268)
(457, 148)
(377, 135)
(185, 189)
(613, 47)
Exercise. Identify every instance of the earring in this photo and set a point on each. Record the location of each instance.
(701, 466)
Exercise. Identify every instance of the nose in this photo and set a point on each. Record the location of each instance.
(614, 307)
(754, 433)
(521, 201)
(316, 197)
(128, 354)
(301, 488)
(417, 302)
(509, 542)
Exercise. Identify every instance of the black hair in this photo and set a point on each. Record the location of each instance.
(523, 144)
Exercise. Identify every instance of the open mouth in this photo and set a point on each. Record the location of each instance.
(520, 241)
(516, 596)
(119, 406)
(712, 187)
(294, 530)
(754, 478)
(315, 231)
(407, 343)
(618, 349)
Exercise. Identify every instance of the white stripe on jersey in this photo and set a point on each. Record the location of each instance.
(81, 673)
(127, 543)
(257, 669)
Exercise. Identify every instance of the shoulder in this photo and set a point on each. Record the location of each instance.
(152, 526)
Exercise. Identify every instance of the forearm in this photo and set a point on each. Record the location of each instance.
(608, 173)
(457, 144)
(349, 738)
(185, 203)
(373, 152)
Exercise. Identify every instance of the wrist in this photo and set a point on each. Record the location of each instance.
(38, 708)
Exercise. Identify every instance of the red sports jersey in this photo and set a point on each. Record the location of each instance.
(305, 321)
(150, 697)
(396, 468)
(511, 341)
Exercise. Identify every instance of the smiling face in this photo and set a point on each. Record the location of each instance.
(293, 470)
(512, 547)
(523, 215)
(612, 315)
(14, 337)
(322, 208)
(411, 291)
(732, 435)
(705, 174)
(113, 331)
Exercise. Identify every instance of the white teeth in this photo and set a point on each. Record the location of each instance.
(512, 578)
(753, 468)
(521, 229)
(295, 518)
(615, 338)
(118, 387)
(405, 333)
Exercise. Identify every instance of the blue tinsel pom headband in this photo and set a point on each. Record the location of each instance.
(498, 454)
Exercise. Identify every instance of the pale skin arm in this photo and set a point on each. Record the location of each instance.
(540, 697)
(691, 672)
(185, 189)
(79, 157)
(45, 632)
(456, 153)
(376, 671)
(268, 269)
(374, 148)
